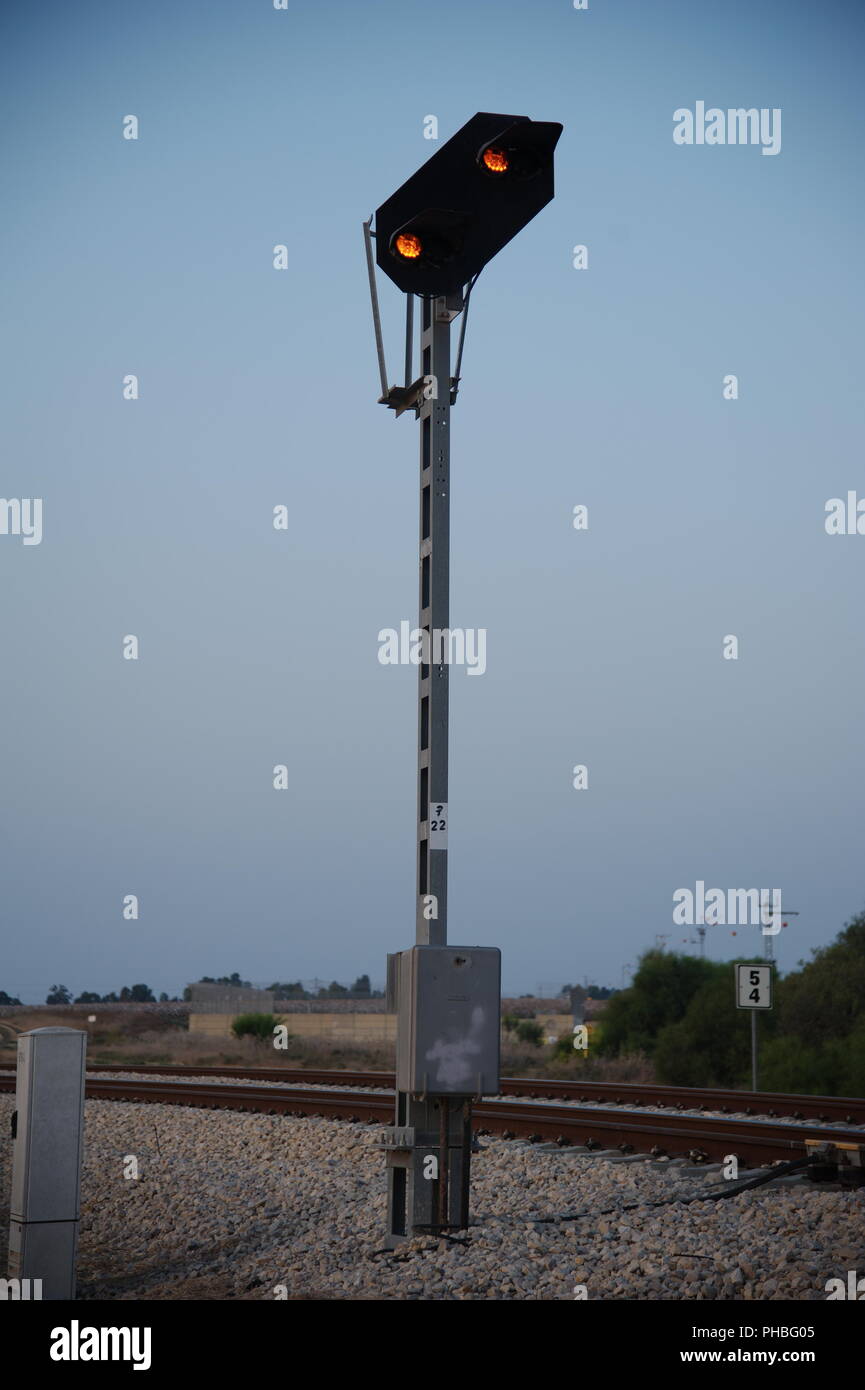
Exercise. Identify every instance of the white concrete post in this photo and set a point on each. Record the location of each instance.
(46, 1164)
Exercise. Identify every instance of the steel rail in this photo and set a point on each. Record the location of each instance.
(700, 1136)
(848, 1110)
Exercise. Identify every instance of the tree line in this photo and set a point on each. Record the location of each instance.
(680, 1012)
(129, 994)
(143, 994)
(294, 989)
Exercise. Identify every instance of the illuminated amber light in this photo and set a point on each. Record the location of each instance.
(408, 246)
(495, 160)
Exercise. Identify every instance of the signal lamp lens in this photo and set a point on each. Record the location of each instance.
(408, 246)
(495, 160)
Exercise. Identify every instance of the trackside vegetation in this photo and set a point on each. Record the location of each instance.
(680, 1013)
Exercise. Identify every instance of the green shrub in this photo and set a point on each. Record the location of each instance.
(530, 1032)
(659, 995)
(833, 1067)
(254, 1026)
(711, 1045)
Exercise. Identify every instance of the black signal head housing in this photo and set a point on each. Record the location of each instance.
(465, 204)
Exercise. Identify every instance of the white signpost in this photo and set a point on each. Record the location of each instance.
(754, 986)
(753, 991)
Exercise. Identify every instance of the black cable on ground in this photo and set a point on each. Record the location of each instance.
(713, 1195)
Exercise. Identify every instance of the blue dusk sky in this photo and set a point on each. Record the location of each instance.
(257, 387)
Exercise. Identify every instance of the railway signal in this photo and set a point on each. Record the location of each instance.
(459, 209)
(433, 237)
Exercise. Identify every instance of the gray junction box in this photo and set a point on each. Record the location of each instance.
(448, 1025)
(46, 1164)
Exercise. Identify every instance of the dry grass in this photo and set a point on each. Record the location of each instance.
(176, 1048)
(130, 1038)
(197, 1049)
(520, 1060)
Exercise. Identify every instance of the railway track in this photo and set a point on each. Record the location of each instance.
(845, 1110)
(699, 1137)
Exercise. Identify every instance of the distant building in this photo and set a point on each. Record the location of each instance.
(229, 999)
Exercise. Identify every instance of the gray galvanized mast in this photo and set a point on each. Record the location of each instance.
(436, 1125)
(434, 620)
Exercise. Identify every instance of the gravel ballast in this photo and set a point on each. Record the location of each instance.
(234, 1205)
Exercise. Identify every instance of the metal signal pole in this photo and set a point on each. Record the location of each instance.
(432, 1134)
(433, 237)
(434, 409)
